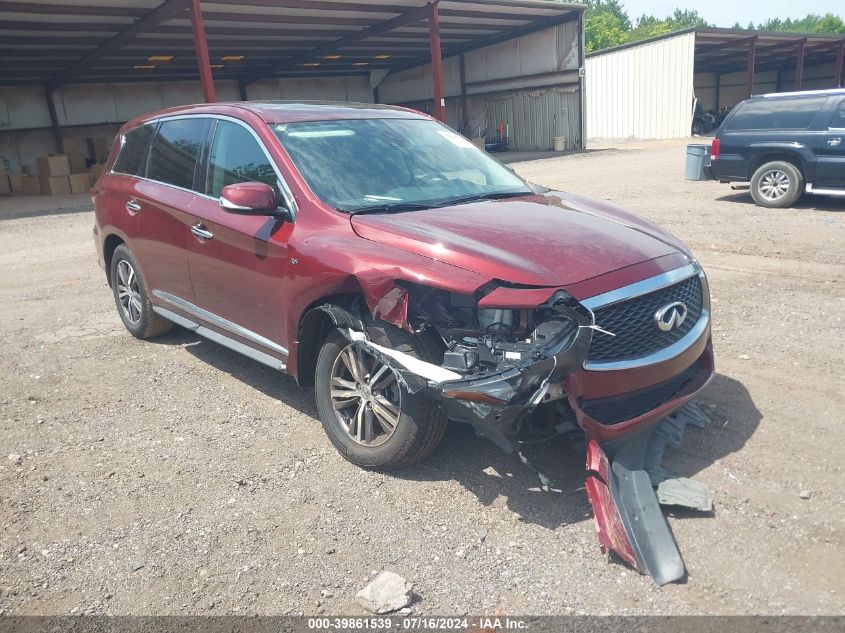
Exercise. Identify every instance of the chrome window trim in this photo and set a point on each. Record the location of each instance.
(283, 185)
(220, 322)
(644, 287)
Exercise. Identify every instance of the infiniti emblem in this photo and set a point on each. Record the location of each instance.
(671, 316)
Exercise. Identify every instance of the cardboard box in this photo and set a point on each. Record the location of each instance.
(54, 185)
(5, 187)
(79, 183)
(99, 147)
(16, 182)
(71, 145)
(96, 170)
(55, 165)
(77, 162)
(30, 186)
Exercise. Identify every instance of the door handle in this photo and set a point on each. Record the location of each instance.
(834, 142)
(133, 206)
(201, 232)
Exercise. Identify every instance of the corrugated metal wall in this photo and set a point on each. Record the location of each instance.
(535, 117)
(530, 82)
(643, 91)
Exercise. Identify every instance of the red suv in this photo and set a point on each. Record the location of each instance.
(412, 279)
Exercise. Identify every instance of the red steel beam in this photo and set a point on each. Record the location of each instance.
(436, 62)
(752, 60)
(201, 48)
(799, 65)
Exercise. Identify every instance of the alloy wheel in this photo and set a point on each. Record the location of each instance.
(128, 293)
(365, 396)
(774, 184)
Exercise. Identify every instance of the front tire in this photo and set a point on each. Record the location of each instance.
(372, 420)
(130, 296)
(777, 185)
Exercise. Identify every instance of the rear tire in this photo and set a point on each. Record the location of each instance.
(777, 185)
(130, 295)
(419, 422)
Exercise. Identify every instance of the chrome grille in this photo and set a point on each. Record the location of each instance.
(633, 323)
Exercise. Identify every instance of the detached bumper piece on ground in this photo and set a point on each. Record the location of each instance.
(621, 482)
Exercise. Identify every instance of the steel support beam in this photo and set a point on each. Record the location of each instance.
(54, 120)
(464, 110)
(840, 56)
(436, 62)
(752, 59)
(799, 65)
(718, 90)
(201, 48)
(163, 12)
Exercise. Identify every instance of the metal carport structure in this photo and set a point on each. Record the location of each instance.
(60, 43)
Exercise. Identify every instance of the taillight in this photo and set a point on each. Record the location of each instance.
(714, 149)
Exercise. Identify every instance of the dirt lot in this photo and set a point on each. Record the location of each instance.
(174, 476)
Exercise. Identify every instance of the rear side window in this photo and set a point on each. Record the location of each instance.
(132, 158)
(776, 114)
(175, 150)
(838, 121)
(237, 157)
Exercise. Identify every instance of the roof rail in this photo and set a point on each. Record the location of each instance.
(801, 93)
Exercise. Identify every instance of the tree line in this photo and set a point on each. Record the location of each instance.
(607, 24)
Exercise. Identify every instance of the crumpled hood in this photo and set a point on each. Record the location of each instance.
(552, 239)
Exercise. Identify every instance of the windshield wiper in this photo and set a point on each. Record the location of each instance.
(493, 195)
(387, 207)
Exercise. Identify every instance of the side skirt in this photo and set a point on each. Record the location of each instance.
(825, 192)
(222, 339)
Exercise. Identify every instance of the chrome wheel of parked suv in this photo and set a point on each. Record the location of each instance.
(372, 419)
(130, 296)
(777, 184)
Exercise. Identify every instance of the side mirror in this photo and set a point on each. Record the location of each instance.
(249, 198)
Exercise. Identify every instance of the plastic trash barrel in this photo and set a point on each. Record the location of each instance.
(559, 143)
(698, 157)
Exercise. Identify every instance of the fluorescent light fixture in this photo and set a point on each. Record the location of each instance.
(382, 56)
(216, 66)
(311, 64)
(232, 58)
(332, 56)
(361, 63)
(160, 58)
(144, 66)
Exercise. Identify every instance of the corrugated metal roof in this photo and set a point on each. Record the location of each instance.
(41, 39)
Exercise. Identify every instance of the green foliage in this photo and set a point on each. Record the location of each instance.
(827, 23)
(607, 24)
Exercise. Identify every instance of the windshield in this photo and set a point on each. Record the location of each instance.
(393, 164)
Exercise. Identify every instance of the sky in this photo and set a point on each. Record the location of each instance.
(726, 12)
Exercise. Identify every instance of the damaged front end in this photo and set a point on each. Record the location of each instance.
(501, 365)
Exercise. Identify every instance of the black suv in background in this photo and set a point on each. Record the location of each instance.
(784, 144)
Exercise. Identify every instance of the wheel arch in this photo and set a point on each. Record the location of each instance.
(110, 245)
(314, 328)
(787, 154)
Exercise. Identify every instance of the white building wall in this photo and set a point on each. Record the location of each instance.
(643, 92)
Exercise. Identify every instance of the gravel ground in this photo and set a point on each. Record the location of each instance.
(173, 476)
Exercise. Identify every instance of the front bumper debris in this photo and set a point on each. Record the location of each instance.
(621, 481)
(622, 474)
